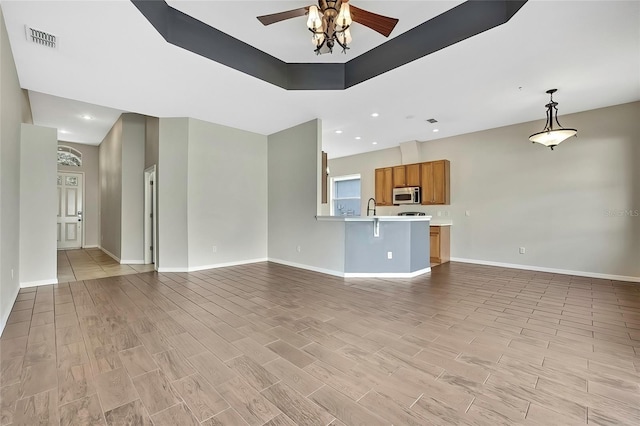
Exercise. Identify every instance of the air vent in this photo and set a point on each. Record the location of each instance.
(40, 37)
(432, 120)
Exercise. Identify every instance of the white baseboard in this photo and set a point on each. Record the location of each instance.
(213, 266)
(5, 316)
(92, 246)
(111, 255)
(132, 262)
(308, 267)
(387, 274)
(38, 283)
(550, 270)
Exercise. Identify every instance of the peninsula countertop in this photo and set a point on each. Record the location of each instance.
(374, 218)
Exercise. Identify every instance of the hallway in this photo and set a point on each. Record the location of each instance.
(87, 264)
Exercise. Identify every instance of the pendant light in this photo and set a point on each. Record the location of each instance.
(549, 136)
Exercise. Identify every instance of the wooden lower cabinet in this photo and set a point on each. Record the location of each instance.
(440, 243)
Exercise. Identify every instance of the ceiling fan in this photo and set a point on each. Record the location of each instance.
(329, 23)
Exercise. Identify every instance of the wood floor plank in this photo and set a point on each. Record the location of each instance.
(344, 409)
(203, 400)
(176, 415)
(132, 413)
(85, 411)
(254, 408)
(115, 388)
(155, 391)
(296, 406)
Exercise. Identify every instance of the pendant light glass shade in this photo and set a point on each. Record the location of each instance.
(549, 136)
(344, 17)
(315, 21)
(344, 36)
(552, 138)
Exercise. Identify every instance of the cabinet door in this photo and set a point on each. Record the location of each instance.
(426, 179)
(399, 177)
(384, 186)
(412, 175)
(387, 195)
(440, 182)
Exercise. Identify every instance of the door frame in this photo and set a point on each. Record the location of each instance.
(151, 223)
(82, 226)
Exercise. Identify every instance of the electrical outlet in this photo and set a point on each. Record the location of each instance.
(215, 249)
(522, 250)
(298, 249)
(389, 255)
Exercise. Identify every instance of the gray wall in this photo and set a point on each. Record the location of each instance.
(91, 201)
(12, 114)
(227, 195)
(151, 141)
(132, 222)
(294, 158)
(122, 189)
(571, 208)
(111, 190)
(38, 260)
(172, 180)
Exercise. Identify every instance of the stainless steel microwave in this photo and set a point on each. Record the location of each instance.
(408, 195)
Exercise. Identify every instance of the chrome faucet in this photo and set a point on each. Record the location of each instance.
(369, 209)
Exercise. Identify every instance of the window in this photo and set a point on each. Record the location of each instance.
(345, 196)
(68, 156)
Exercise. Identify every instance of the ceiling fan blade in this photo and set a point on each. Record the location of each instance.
(277, 17)
(382, 24)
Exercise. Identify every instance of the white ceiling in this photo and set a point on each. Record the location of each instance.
(109, 55)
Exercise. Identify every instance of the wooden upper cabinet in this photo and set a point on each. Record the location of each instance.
(408, 175)
(435, 182)
(412, 175)
(399, 177)
(384, 186)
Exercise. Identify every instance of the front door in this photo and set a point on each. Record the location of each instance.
(69, 210)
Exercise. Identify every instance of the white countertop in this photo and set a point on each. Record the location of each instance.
(439, 223)
(372, 218)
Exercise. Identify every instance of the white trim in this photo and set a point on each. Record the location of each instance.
(38, 283)
(225, 264)
(5, 317)
(308, 267)
(93, 246)
(132, 262)
(214, 266)
(387, 274)
(550, 270)
(173, 269)
(108, 253)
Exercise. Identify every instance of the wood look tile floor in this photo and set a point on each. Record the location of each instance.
(266, 344)
(92, 263)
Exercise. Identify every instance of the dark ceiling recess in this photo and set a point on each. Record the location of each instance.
(463, 21)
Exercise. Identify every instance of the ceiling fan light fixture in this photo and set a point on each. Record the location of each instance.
(344, 17)
(344, 37)
(315, 20)
(549, 136)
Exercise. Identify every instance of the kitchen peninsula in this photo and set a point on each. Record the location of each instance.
(384, 246)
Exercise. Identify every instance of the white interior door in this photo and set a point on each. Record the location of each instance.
(70, 210)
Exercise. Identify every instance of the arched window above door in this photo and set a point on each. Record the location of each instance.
(68, 156)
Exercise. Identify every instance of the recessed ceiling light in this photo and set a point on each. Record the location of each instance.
(375, 114)
(436, 130)
(338, 131)
(358, 138)
(374, 143)
(86, 117)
